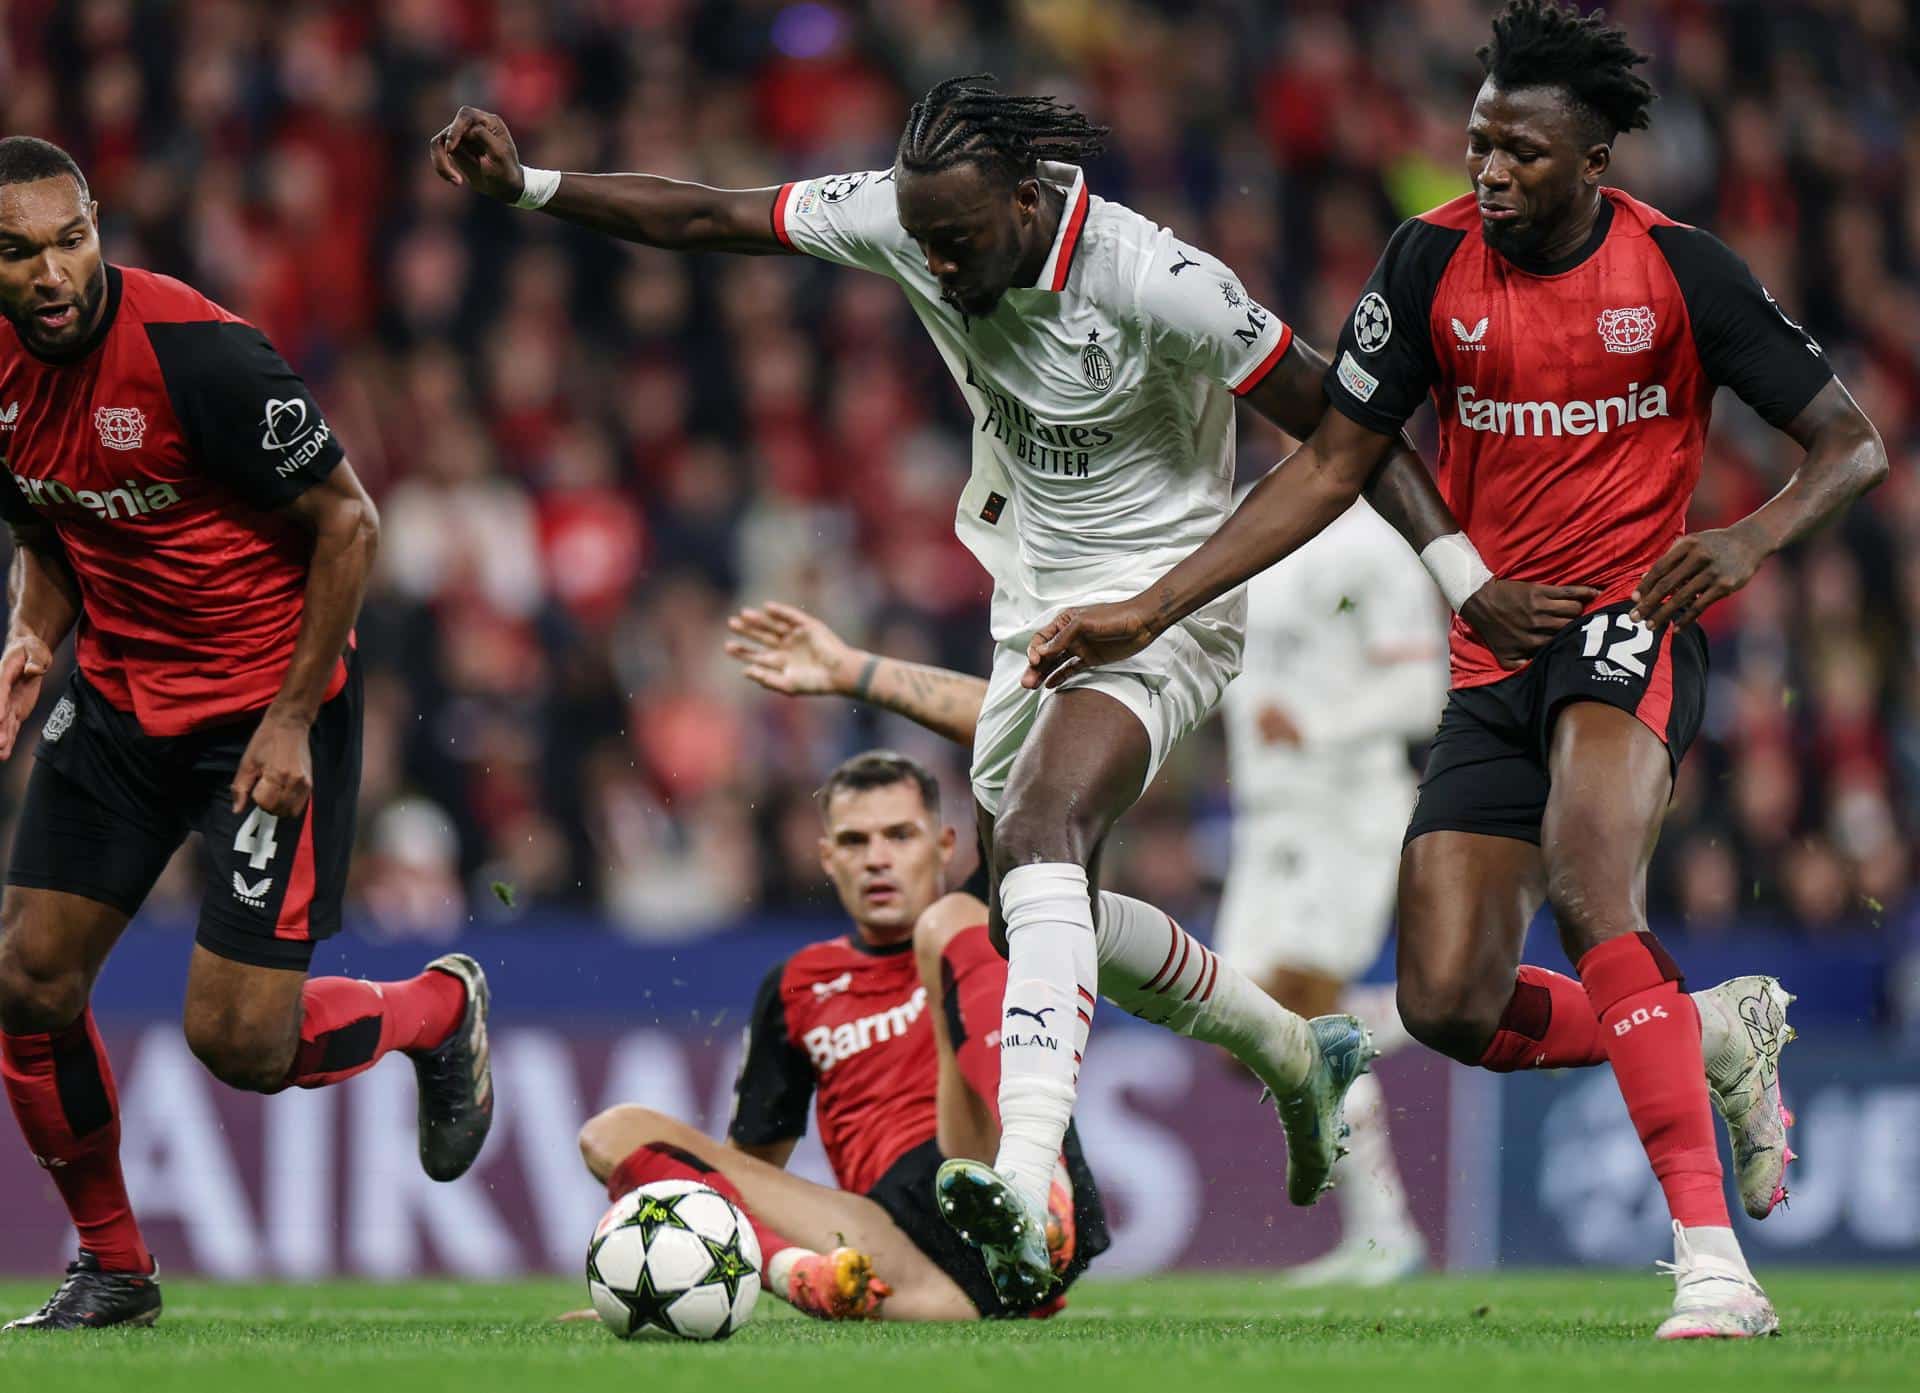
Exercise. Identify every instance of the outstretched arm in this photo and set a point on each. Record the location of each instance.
(475, 149)
(1512, 618)
(1845, 458)
(789, 651)
(1293, 504)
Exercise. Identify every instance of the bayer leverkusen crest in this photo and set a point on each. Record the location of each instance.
(120, 427)
(1627, 330)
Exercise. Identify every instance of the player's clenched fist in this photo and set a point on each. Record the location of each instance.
(1085, 637)
(276, 772)
(476, 148)
(22, 667)
(1516, 619)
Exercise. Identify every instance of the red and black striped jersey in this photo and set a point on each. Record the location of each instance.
(1573, 397)
(163, 456)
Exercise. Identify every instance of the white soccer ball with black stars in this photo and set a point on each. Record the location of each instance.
(674, 1259)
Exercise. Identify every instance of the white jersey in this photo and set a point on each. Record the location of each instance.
(1102, 397)
(1347, 637)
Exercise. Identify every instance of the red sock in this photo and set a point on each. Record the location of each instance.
(973, 980)
(1549, 1024)
(1651, 1030)
(61, 1088)
(660, 1160)
(346, 1025)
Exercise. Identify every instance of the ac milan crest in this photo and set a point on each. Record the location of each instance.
(1096, 365)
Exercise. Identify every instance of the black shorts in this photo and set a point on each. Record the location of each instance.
(1487, 771)
(107, 806)
(906, 1193)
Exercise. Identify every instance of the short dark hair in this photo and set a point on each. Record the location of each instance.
(27, 159)
(881, 769)
(968, 118)
(1542, 43)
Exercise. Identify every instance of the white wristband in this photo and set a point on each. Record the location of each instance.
(539, 186)
(1455, 567)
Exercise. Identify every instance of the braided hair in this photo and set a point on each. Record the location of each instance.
(968, 118)
(1542, 43)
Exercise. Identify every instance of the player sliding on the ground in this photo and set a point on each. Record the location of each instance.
(1100, 356)
(1346, 662)
(177, 499)
(789, 651)
(1572, 339)
(888, 1030)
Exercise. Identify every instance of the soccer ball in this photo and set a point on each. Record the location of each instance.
(674, 1258)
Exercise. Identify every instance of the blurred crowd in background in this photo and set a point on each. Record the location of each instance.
(586, 453)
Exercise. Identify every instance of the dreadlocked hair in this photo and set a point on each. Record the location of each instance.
(1543, 43)
(967, 118)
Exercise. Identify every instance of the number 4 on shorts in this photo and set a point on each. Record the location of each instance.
(255, 840)
(1626, 651)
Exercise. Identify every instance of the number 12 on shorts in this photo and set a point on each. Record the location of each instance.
(255, 839)
(1625, 652)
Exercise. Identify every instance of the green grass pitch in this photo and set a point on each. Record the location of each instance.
(1548, 1332)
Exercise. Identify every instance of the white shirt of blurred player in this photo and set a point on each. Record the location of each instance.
(1347, 637)
(1102, 397)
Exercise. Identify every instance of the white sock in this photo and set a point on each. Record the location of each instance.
(1379, 1008)
(778, 1273)
(1373, 1204)
(1154, 969)
(1052, 973)
(1717, 1242)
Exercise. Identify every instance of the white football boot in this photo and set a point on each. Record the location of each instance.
(1713, 1299)
(1364, 1262)
(1746, 1017)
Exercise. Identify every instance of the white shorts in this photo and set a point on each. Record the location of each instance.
(1171, 686)
(1311, 888)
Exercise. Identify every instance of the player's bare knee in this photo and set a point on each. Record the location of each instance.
(611, 1136)
(938, 925)
(37, 995)
(1031, 829)
(250, 1055)
(238, 1064)
(1456, 1019)
(1590, 908)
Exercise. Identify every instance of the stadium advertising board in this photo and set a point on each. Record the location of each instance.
(1576, 1187)
(314, 1184)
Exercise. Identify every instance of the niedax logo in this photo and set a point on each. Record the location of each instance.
(295, 431)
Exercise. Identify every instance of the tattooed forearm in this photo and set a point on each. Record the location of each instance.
(945, 702)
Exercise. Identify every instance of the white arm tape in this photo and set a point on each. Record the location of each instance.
(539, 186)
(1455, 567)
